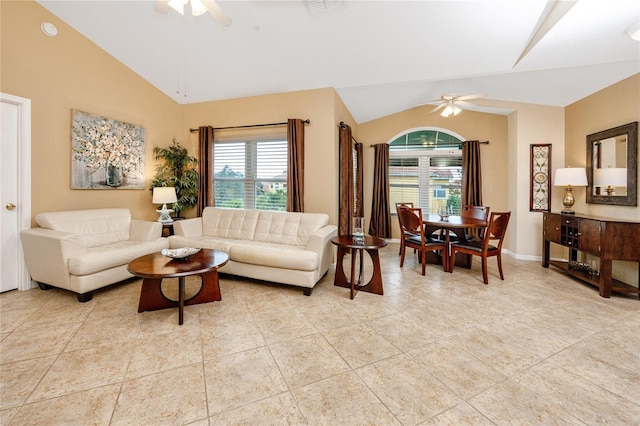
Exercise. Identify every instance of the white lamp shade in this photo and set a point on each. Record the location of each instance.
(164, 195)
(574, 176)
(612, 176)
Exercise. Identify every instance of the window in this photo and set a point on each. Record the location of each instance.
(251, 174)
(425, 168)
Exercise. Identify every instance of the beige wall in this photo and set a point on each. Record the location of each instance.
(530, 124)
(320, 134)
(611, 107)
(69, 72)
(470, 125)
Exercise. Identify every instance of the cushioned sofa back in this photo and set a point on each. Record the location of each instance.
(229, 223)
(95, 227)
(288, 228)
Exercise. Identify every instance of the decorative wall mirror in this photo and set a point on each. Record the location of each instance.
(612, 166)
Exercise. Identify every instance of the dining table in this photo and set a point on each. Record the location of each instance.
(452, 224)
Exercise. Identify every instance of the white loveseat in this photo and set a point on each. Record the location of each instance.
(282, 247)
(83, 250)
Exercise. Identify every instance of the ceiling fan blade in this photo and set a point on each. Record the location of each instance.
(161, 6)
(463, 104)
(467, 97)
(442, 105)
(217, 12)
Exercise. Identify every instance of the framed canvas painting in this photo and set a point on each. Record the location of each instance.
(106, 153)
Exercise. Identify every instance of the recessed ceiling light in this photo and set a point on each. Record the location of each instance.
(634, 31)
(49, 29)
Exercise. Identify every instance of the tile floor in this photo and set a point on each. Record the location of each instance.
(537, 348)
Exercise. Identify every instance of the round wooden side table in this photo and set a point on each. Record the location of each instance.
(346, 244)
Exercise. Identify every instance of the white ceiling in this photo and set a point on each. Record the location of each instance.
(382, 57)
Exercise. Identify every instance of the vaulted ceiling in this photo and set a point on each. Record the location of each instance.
(382, 57)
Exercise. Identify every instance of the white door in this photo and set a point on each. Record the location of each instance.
(15, 189)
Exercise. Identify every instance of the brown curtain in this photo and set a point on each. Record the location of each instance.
(359, 176)
(471, 174)
(295, 165)
(345, 189)
(205, 154)
(380, 224)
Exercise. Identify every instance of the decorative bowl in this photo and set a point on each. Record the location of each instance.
(179, 253)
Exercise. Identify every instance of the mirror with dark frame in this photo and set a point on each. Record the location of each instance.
(612, 166)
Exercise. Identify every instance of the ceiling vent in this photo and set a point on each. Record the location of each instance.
(317, 7)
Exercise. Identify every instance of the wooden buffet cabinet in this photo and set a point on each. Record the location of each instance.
(605, 238)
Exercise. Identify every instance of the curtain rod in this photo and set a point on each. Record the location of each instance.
(342, 126)
(307, 121)
(463, 142)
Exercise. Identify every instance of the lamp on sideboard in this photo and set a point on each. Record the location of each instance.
(163, 195)
(570, 177)
(610, 178)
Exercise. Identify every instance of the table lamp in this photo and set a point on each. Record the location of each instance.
(570, 177)
(163, 195)
(610, 178)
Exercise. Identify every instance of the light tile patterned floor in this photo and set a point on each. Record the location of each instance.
(537, 348)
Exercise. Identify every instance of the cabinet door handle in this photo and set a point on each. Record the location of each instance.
(557, 228)
(579, 233)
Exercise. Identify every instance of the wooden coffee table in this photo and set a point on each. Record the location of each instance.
(346, 244)
(153, 268)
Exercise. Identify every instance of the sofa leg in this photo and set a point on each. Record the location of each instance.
(82, 298)
(44, 286)
(307, 291)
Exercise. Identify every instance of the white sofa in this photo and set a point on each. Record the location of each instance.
(83, 250)
(282, 247)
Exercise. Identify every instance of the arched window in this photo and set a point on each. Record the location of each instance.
(425, 168)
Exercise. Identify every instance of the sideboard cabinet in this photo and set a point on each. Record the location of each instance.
(605, 238)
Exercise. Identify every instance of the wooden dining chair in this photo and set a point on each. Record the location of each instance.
(402, 204)
(475, 212)
(413, 236)
(495, 233)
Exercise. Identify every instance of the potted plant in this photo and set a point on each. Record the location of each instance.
(178, 169)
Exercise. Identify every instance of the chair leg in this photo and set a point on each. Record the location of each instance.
(500, 266)
(402, 250)
(423, 260)
(484, 270)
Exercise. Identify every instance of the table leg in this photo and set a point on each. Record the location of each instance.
(375, 283)
(180, 300)
(353, 271)
(151, 296)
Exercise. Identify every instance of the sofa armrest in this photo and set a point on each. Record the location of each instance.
(320, 242)
(144, 230)
(47, 254)
(188, 227)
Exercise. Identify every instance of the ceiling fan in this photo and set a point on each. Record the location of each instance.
(452, 104)
(198, 7)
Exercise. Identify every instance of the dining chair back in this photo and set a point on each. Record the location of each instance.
(487, 246)
(402, 204)
(413, 236)
(475, 212)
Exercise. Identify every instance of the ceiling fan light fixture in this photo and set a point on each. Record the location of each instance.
(450, 109)
(178, 5)
(197, 8)
(634, 31)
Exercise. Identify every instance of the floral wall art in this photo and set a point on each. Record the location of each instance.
(540, 183)
(106, 153)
